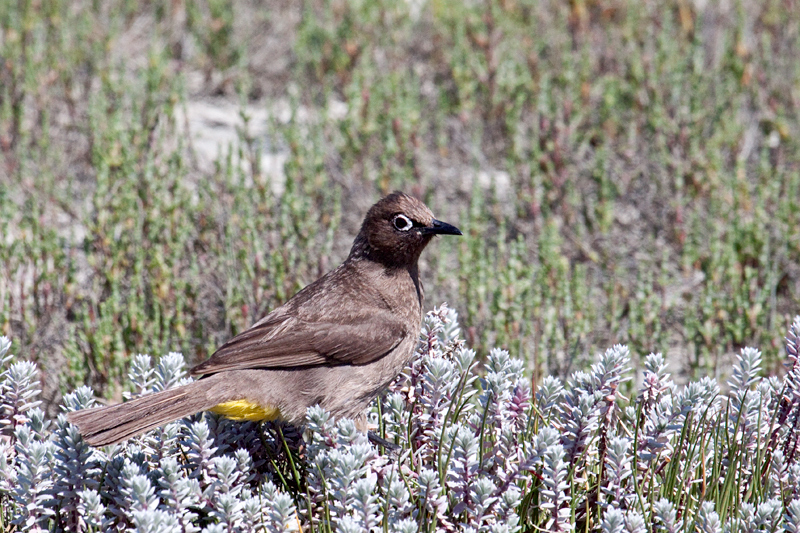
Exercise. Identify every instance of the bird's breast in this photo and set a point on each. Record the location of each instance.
(401, 291)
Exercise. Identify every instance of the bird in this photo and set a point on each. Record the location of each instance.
(337, 343)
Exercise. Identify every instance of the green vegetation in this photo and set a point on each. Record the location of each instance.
(471, 454)
(625, 172)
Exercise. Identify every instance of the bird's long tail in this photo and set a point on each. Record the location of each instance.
(115, 423)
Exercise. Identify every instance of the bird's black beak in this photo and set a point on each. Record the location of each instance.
(438, 227)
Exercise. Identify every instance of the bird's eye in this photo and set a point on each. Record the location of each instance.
(402, 222)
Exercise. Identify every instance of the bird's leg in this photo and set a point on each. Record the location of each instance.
(377, 440)
(362, 425)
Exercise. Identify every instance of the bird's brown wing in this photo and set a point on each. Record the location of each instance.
(287, 341)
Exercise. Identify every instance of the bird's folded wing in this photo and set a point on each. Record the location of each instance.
(287, 341)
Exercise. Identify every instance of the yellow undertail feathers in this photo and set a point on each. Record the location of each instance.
(246, 410)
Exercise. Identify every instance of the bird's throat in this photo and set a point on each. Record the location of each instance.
(246, 410)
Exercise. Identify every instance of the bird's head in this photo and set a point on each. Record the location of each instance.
(397, 229)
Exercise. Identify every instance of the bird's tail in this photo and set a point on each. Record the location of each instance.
(115, 423)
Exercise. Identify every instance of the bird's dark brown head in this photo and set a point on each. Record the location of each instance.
(396, 230)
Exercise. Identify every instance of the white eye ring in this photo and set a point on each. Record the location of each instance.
(402, 222)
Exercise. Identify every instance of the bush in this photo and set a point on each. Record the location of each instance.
(474, 454)
(624, 171)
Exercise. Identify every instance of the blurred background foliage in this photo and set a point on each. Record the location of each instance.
(624, 171)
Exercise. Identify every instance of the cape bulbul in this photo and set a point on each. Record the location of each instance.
(336, 343)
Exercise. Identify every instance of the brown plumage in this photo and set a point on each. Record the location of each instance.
(336, 343)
